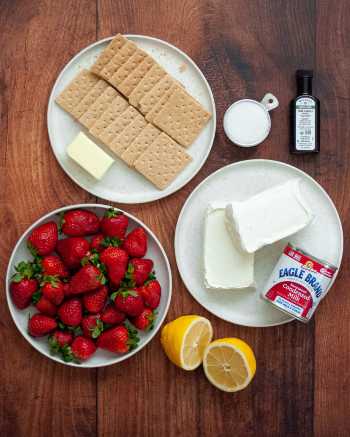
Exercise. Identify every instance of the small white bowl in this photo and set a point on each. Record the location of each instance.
(100, 358)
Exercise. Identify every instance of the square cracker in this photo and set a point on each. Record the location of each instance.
(162, 161)
(107, 54)
(118, 60)
(160, 104)
(76, 90)
(128, 66)
(89, 99)
(182, 117)
(140, 144)
(153, 76)
(130, 83)
(125, 138)
(111, 113)
(151, 98)
(108, 135)
(97, 108)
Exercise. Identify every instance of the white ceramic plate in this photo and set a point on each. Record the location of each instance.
(122, 184)
(100, 358)
(323, 237)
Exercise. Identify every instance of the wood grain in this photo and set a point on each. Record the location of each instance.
(332, 347)
(244, 49)
(38, 397)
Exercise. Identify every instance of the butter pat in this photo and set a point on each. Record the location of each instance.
(226, 266)
(268, 216)
(89, 156)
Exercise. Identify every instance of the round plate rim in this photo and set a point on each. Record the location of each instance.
(212, 175)
(35, 345)
(160, 194)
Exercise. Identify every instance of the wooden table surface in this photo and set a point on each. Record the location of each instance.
(244, 48)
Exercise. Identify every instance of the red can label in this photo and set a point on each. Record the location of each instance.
(298, 283)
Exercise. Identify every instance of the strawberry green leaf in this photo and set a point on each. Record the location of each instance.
(111, 241)
(32, 249)
(50, 279)
(36, 296)
(133, 337)
(54, 345)
(112, 212)
(61, 221)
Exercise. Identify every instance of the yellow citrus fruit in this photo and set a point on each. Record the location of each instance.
(185, 339)
(229, 364)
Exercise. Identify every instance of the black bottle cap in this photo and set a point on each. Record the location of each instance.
(304, 73)
(304, 81)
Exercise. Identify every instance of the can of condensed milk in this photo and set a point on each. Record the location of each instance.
(298, 283)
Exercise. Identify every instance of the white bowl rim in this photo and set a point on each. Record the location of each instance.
(32, 341)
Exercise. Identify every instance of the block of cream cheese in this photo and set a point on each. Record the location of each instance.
(89, 156)
(226, 266)
(268, 216)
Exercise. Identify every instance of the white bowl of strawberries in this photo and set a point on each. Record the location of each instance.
(88, 285)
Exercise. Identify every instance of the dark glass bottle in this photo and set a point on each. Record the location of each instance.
(305, 116)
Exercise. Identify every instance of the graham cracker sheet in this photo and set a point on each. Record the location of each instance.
(76, 90)
(89, 99)
(89, 118)
(144, 139)
(153, 76)
(118, 60)
(111, 113)
(162, 161)
(182, 117)
(160, 104)
(156, 93)
(130, 82)
(128, 134)
(109, 134)
(128, 67)
(107, 54)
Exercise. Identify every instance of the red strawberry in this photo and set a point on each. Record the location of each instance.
(95, 300)
(145, 320)
(114, 224)
(45, 306)
(72, 250)
(40, 325)
(82, 348)
(42, 241)
(92, 326)
(70, 312)
(116, 261)
(80, 222)
(53, 289)
(66, 289)
(60, 339)
(151, 293)
(118, 339)
(112, 316)
(23, 286)
(88, 278)
(136, 243)
(139, 270)
(96, 242)
(129, 302)
(52, 265)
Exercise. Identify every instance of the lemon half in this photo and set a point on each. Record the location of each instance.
(229, 364)
(185, 339)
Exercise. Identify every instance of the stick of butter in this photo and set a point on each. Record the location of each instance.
(89, 156)
(226, 266)
(268, 216)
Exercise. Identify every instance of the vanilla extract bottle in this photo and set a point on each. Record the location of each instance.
(305, 116)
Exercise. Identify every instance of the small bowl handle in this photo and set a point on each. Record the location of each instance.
(269, 101)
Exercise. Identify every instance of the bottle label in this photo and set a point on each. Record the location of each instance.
(305, 124)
